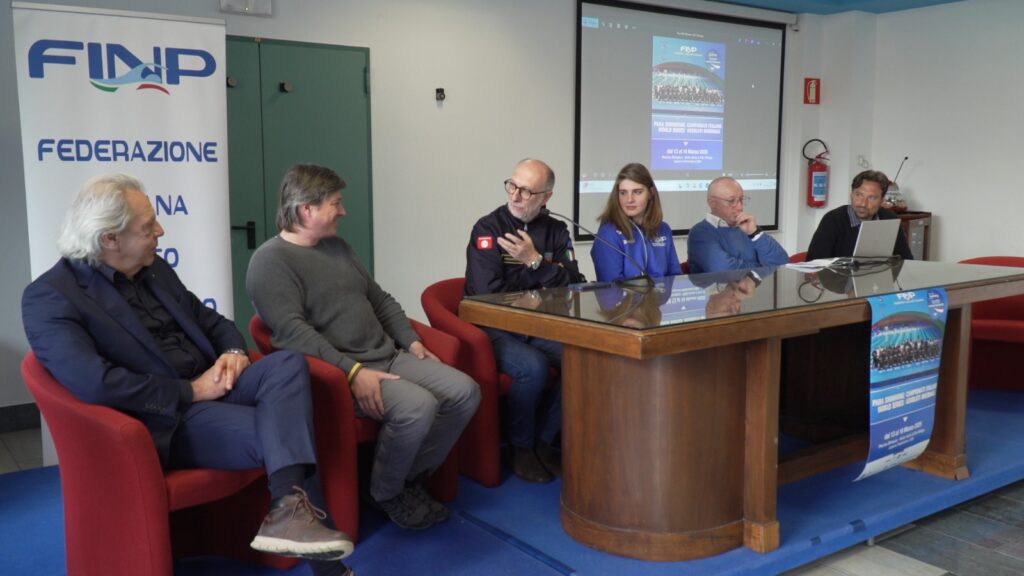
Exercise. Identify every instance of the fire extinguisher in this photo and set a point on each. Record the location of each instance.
(817, 176)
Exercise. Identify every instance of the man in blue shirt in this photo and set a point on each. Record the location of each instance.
(729, 238)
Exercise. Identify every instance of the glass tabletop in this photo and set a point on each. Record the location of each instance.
(697, 297)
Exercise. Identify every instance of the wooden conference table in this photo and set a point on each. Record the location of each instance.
(671, 394)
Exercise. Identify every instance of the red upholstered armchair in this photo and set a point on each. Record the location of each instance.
(479, 447)
(798, 257)
(997, 334)
(123, 515)
(339, 432)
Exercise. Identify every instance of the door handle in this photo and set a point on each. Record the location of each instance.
(250, 233)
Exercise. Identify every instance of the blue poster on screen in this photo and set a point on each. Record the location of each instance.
(688, 75)
(906, 348)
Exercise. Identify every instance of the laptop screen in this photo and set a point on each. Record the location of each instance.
(877, 238)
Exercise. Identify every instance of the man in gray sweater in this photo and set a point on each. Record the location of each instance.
(310, 289)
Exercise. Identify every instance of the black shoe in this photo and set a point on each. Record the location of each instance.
(330, 569)
(550, 457)
(293, 528)
(407, 511)
(418, 489)
(528, 467)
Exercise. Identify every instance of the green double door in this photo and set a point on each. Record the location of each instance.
(291, 103)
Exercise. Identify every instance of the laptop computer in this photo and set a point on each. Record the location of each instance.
(876, 239)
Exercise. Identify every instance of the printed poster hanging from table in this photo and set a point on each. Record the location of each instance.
(906, 349)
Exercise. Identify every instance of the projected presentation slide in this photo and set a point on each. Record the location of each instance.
(691, 96)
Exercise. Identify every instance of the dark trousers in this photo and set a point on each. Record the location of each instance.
(532, 412)
(266, 421)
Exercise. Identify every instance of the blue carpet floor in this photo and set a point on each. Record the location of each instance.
(514, 528)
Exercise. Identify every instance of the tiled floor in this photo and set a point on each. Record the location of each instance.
(983, 537)
(864, 560)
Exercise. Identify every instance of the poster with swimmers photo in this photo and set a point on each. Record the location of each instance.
(906, 348)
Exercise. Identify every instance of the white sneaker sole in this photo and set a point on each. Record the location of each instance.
(312, 550)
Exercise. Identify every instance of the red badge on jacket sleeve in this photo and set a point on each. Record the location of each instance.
(484, 242)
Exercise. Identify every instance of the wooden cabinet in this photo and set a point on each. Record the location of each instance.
(917, 227)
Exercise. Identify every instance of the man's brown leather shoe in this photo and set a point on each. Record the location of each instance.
(293, 528)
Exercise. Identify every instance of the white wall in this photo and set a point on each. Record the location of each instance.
(801, 122)
(948, 93)
(942, 85)
(508, 67)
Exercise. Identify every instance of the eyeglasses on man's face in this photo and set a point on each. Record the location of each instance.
(732, 202)
(511, 188)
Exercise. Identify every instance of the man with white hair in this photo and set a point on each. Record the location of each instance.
(728, 238)
(113, 323)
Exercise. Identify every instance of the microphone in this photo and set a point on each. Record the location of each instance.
(643, 279)
(900, 169)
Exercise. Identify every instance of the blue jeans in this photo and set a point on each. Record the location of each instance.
(532, 413)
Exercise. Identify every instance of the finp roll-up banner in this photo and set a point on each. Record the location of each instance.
(110, 91)
(907, 329)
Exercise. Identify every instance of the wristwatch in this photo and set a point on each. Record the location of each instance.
(536, 263)
(238, 351)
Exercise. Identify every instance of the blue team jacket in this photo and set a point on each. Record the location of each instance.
(657, 255)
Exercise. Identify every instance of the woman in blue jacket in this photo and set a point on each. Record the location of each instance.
(631, 222)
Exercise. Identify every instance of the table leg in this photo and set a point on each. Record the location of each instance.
(653, 452)
(761, 447)
(946, 454)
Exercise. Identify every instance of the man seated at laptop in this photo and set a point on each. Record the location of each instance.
(837, 232)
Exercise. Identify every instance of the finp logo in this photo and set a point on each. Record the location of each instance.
(104, 61)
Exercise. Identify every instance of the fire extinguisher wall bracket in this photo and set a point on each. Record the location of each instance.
(817, 175)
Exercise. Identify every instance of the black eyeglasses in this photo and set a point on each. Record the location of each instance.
(511, 188)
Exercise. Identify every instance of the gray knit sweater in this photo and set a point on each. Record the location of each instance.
(320, 301)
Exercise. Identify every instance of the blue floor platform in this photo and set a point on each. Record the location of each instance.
(514, 529)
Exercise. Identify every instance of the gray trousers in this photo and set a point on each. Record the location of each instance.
(424, 414)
